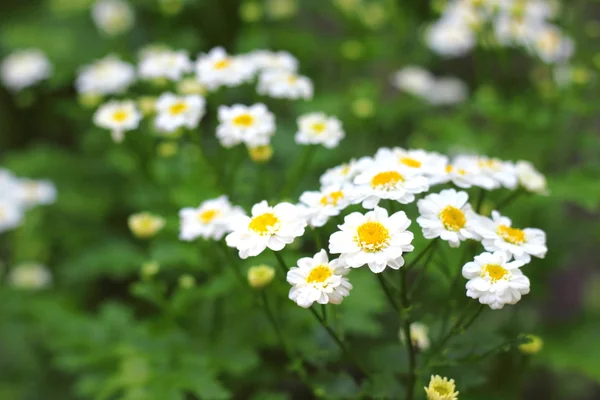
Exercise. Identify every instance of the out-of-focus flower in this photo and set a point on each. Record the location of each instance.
(11, 213)
(211, 220)
(164, 63)
(260, 276)
(261, 154)
(109, 75)
(450, 39)
(119, 117)
(344, 173)
(441, 389)
(531, 179)
(373, 239)
(318, 128)
(188, 86)
(321, 205)
(175, 112)
(415, 161)
(414, 80)
(35, 192)
(266, 60)
(533, 345)
(217, 68)
(25, 68)
(272, 227)
(30, 276)
(145, 225)
(281, 9)
(167, 149)
(113, 17)
(253, 125)
(419, 335)
(551, 45)
(495, 281)
(316, 279)
(285, 85)
(447, 91)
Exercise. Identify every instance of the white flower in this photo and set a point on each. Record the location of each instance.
(373, 239)
(499, 235)
(447, 215)
(119, 117)
(414, 80)
(503, 172)
(164, 63)
(25, 68)
(29, 276)
(318, 128)
(174, 111)
(32, 193)
(211, 220)
(284, 85)
(447, 91)
(113, 17)
(427, 163)
(465, 173)
(217, 68)
(531, 179)
(419, 335)
(109, 75)
(388, 180)
(316, 279)
(11, 213)
(271, 227)
(326, 203)
(266, 60)
(9, 185)
(253, 125)
(510, 30)
(450, 38)
(551, 45)
(344, 173)
(495, 281)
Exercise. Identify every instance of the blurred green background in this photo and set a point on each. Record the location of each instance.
(102, 332)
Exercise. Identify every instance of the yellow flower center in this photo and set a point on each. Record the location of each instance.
(319, 274)
(178, 108)
(411, 162)
(442, 389)
(489, 163)
(332, 198)
(207, 216)
(222, 64)
(511, 235)
(292, 79)
(449, 168)
(453, 218)
(386, 179)
(495, 271)
(120, 115)
(318, 127)
(263, 223)
(244, 120)
(372, 236)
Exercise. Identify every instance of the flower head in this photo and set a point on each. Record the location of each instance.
(531, 179)
(282, 84)
(175, 112)
(253, 125)
(344, 173)
(265, 60)
(316, 279)
(24, 68)
(321, 205)
(145, 225)
(260, 276)
(211, 220)
(450, 38)
(35, 192)
(414, 80)
(113, 17)
(29, 276)
(119, 117)
(260, 154)
(164, 64)
(441, 389)
(318, 128)
(109, 75)
(217, 68)
(11, 213)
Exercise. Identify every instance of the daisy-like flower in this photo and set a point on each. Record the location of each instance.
(466, 172)
(113, 17)
(109, 75)
(174, 111)
(145, 225)
(164, 63)
(531, 179)
(503, 172)
(24, 68)
(253, 125)
(344, 173)
(499, 235)
(326, 203)
(417, 161)
(419, 335)
(35, 192)
(11, 213)
(388, 181)
(29, 276)
(265, 60)
(495, 281)
(119, 117)
(271, 227)
(316, 279)
(551, 45)
(414, 80)
(441, 389)
(449, 216)
(373, 239)
(318, 128)
(450, 38)
(284, 85)
(217, 68)
(211, 220)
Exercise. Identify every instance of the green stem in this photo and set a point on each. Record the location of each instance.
(406, 322)
(273, 321)
(281, 262)
(417, 281)
(509, 199)
(386, 290)
(299, 172)
(318, 240)
(480, 199)
(430, 246)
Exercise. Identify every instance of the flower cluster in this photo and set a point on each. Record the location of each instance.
(513, 23)
(17, 195)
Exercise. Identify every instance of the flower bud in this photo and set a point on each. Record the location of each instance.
(533, 345)
(149, 269)
(261, 154)
(187, 281)
(29, 276)
(89, 100)
(145, 225)
(260, 276)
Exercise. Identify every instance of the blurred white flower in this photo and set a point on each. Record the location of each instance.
(109, 75)
(419, 335)
(530, 178)
(113, 17)
(414, 80)
(344, 173)
(319, 206)
(427, 163)
(447, 91)
(285, 85)
(450, 38)
(164, 63)
(30, 276)
(318, 128)
(25, 68)
(11, 213)
(217, 68)
(175, 112)
(551, 45)
(266, 60)
(118, 117)
(36, 192)
(253, 125)
(211, 220)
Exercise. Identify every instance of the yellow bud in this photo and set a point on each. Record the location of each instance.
(89, 100)
(260, 276)
(533, 346)
(261, 154)
(167, 149)
(149, 269)
(251, 11)
(145, 225)
(363, 107)
(146, 104)
(189, 86)
(187, 281)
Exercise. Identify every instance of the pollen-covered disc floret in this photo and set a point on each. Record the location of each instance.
(253, 125)
(271, 227)
(495, 281)
(175, 112)
(118, 117)
(319, 206)
(374, 239)
(449, 216)
(441, 389)
(499, 235)
(109, 75)
(281, 84)
(316, 279)
(318, 128)
(217, 68)
(211, 220)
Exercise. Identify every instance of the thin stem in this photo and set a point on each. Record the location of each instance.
(324, 312)
(273, 321)
(281, 262)
(386, 290)
(299, 172)
(412, 356)
(480, 199)
(417, 281)
(318, 240)
(430, 246)
(473, 318)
